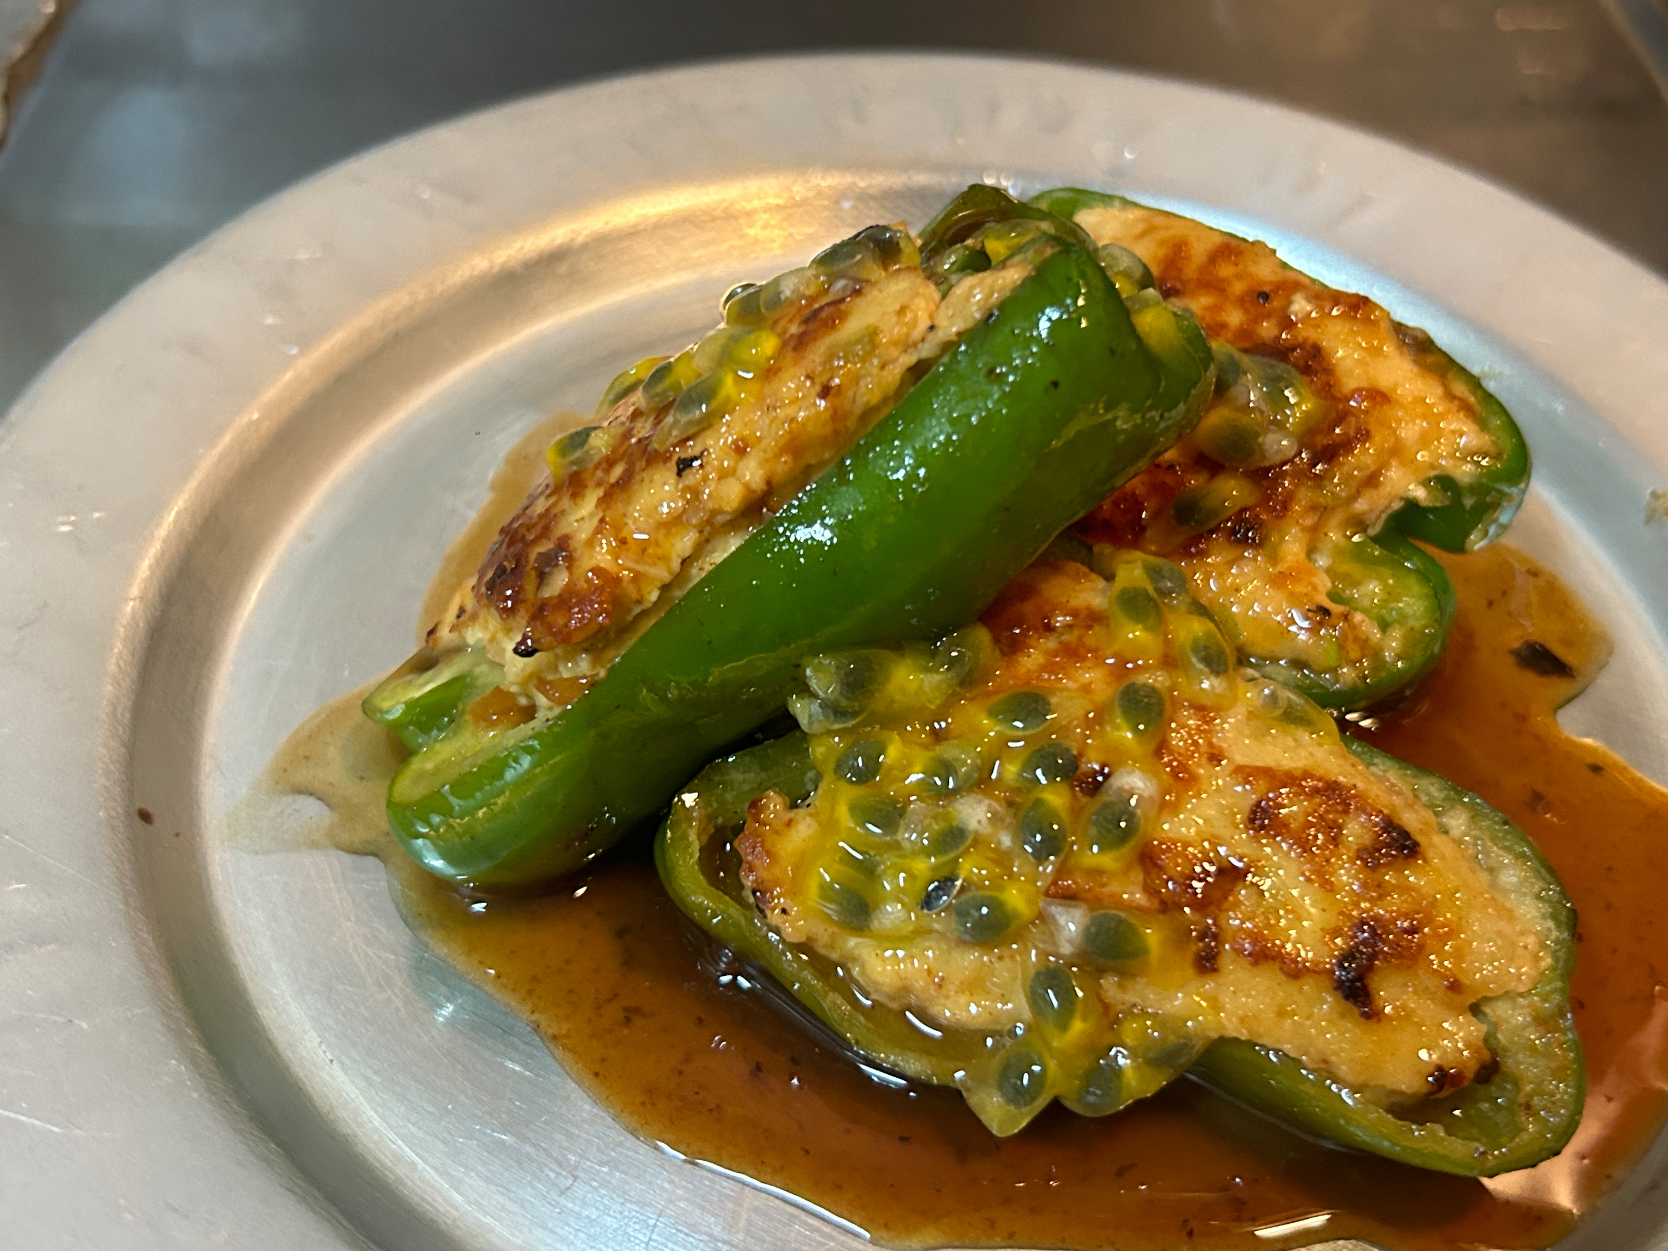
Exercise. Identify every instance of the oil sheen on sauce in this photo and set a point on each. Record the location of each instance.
(680, 1048)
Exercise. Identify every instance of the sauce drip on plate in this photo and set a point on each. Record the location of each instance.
(681, 1047)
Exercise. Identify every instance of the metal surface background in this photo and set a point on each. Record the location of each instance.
(234, 488)
(157, 120)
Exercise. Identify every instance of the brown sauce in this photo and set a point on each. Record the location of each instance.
(641, 1014)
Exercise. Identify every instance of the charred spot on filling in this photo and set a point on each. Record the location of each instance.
(1090, 778)
(556, 555)
(1310, 816)
(686, 463)
(575, 612)
(1354, 963)
(1207, 946)
(1245, 528)
(1185, 875)
(1393, 843)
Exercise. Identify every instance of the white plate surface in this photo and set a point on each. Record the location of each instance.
(220, 507)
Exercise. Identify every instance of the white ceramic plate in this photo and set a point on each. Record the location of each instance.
(220, 507)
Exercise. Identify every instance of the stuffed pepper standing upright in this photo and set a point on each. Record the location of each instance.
(865, 450)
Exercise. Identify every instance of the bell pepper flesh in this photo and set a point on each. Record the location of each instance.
(1525, 1113)
(1017, 430)
(1453, 516)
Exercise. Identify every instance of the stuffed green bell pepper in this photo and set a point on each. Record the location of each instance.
(865, 450)
(1335, 436)
(1074, 852)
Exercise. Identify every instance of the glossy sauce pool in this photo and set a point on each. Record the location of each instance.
(679, 1047)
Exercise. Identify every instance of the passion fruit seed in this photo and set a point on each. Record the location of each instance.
(576, 450)
(982, 918)
(625, 383)
(848, 680)
(1022, 1078)
(1021, 711)
(742, 306)
(860, 763)
(1042, 830)
(750, 353)
(844, 904)
(939, 892)
(700, 404)
(1102, 1087)
(1052, 762)
(817, 716)
(895, 247)
(1210, 503)
(667, 380)
(961, 655)
(1287, 395)
(1136, 605)
(1140, 707)
(850, 258)
(1113, 823)
(789, 288)
(1167, 580)
(1230, 365)
(1112, 938)
(947, 835)
(1230, 436)
(1053, 996)
(952, 769)
(878, 816)
(714, 347)
(1208, 653)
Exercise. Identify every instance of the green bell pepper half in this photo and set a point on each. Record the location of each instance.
(1040, 409)
(1383, 575)
(1520, 1116)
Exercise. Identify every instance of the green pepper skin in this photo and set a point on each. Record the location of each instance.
(1409, 589)
(420, 700)
(980, 206)
(1523, 1115)
(1020, 428)
(1531, 1107)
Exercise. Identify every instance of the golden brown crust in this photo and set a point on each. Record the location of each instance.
(1311, 905)
(1392, 423)
(565, 581)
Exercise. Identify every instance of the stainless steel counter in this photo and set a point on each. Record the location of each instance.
(156, 120)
